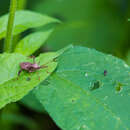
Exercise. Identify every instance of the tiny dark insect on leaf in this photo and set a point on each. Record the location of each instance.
(105, 72)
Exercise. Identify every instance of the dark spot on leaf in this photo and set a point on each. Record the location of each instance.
(55, 59)
(73, 100)
(119, 87)
(45, 82)
(28, 79)
(96, 85)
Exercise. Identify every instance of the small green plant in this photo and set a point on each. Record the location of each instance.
(80, 88)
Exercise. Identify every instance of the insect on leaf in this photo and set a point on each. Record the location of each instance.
(27, 100)
(14, 89)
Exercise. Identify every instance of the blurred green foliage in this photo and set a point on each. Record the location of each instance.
(93, 23)
(100, 24)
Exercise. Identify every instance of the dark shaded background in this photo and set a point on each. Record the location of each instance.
(100, 24)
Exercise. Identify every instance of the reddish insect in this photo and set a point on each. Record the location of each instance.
(30, 67)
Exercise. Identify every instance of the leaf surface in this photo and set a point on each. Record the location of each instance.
(9, 66)
(31, 102)
(89, 91)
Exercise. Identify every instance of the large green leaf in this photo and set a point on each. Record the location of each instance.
(89, 91)
(24, 20)
(32, 42)
(16, 88)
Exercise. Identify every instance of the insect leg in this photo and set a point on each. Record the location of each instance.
(33, 59)
(38, 75)
(19, 72)
(44, 66)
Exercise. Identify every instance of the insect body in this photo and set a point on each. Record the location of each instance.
(30, 67)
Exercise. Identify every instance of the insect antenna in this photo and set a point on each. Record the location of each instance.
(33, 57)
(45, 65)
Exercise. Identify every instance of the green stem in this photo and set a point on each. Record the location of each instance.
(21, 4)
(9, 37)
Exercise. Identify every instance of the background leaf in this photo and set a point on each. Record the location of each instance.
(96, 24)
(11, 115)
(21, 23)
(32, 42)
(89, 90)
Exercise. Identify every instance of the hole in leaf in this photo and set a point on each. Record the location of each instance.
(119, 87)
(96, 85)
(55, 59)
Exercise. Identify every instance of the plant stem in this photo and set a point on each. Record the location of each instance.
(21, 4)
(9, 37)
